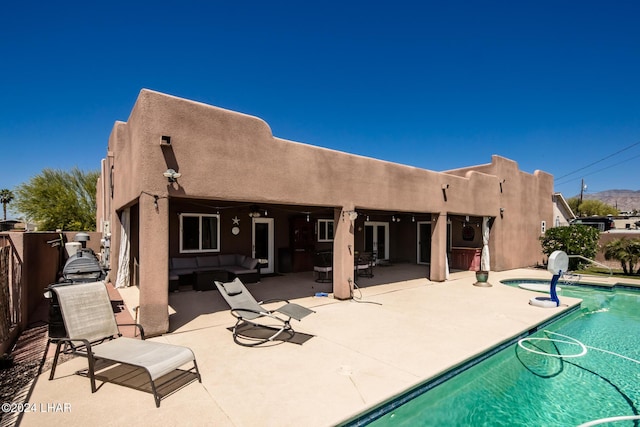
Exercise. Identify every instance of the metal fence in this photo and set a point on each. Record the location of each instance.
(10, 288)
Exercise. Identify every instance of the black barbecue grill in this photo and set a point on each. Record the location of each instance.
(81, 267)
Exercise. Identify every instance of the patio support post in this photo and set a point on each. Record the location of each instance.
(343, 249)
(438, 247)
(154, 253)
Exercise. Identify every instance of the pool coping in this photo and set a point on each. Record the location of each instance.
(388, 405)
(598, 285)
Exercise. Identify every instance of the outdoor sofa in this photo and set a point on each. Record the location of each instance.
(202, 271)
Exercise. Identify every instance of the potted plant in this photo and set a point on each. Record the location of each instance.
(482, 278)
(6, 361)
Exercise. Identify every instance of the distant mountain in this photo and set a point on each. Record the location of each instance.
(623, 200)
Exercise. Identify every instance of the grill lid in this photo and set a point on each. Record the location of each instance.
(83, 266)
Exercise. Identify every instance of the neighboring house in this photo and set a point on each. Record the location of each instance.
(562, 212)
(240, 190)
(627, 222)
(8, 224)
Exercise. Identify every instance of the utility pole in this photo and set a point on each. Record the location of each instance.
(582, 187)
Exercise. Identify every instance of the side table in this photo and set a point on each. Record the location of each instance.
(204, 279)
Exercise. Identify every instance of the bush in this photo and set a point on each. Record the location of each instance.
(574, 240)
(627, 251)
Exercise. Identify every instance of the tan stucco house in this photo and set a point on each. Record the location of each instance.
(562, 212)
(237, 189)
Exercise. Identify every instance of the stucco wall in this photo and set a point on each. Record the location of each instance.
(231, 156)
(526, 200)
(40, 265)
(228, 155)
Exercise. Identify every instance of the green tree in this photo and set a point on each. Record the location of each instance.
(591, 207)
(60, 199)
(574, 240)
(6, 196)
(627, 251)
(574, 204)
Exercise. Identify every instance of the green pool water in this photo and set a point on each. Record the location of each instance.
(529, 385)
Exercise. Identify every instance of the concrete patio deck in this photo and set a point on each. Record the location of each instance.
(403, 331)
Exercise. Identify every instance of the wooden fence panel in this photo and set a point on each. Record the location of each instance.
(10, 289)
(5, 297)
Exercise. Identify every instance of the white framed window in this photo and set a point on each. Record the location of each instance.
(325, 230)
(199, 233)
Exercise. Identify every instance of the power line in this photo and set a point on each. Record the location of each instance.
(598, 161)
(599, 170)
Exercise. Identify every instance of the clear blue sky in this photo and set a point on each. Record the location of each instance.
(553, 85)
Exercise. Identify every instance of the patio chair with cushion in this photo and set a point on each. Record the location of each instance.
(323, 267)
(92, 332)
(249, 312)
(364, 264)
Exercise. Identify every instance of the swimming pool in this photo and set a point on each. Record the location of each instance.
(582, 367)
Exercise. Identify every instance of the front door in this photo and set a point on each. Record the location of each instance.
(262, 241)
(376, 238)
(424, 242)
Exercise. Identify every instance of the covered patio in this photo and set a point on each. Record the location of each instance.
(400, 333)
(187, 306)
(194, 179)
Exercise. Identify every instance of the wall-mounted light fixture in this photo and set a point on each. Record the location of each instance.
(165, 140)
(256, 212)
(444, 191)
(502, 182)
(352, 215)
(172, 175)
(501, 212)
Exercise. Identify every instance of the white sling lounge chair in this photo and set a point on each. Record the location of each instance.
(92, 332)
(247, 310)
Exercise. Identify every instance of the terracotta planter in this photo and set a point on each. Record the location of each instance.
(482, 278)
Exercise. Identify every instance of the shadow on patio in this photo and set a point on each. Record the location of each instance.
(187, 306)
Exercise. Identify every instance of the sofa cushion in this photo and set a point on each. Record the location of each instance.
(205, 262)
(236, 269)
(226, 260)
(183, 263)
(239, 259)
(249, 263)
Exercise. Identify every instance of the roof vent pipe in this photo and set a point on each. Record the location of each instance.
(83, 238)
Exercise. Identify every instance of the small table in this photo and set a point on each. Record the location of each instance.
(204, 279)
